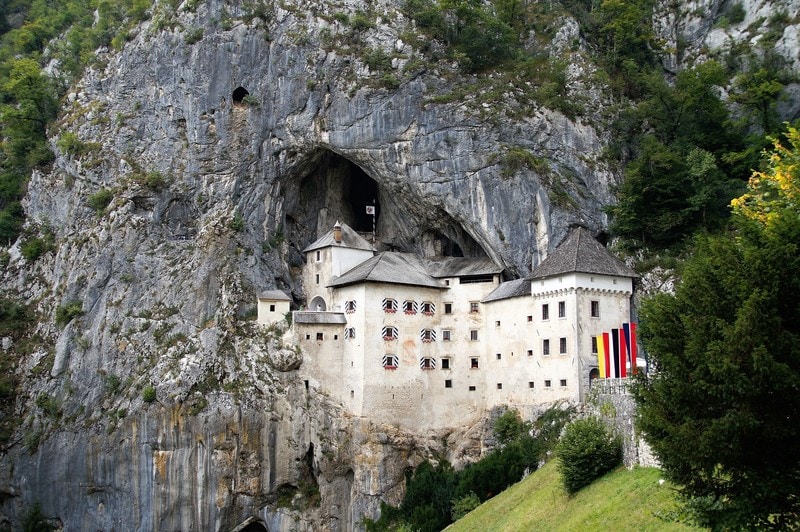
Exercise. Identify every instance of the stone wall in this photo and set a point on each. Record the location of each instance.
(618, 411)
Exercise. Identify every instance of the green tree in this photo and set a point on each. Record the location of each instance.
(721, 410)
(586, 451)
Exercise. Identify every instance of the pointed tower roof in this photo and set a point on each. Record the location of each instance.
(350, 239)
(580, 252)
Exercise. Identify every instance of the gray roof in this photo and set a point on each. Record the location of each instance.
(580, 252)
(389, 267)
(507, 290)
(350, 239)
(460, 267)
(319, 318)
(274, 295)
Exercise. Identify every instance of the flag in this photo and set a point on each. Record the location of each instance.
(615, 354)
(633, 348)
(601, 358)
(623, 353)
(371, 209)
(606, 355)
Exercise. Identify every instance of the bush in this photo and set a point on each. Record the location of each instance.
(100, 200)
(508, 426)
(149, 394)
(587, 451)
(464, 505)
(33, 248)
(65, 313)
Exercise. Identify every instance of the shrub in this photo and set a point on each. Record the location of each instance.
(148, 394)
(192, 36)
(100, 200)
(464, 505)
(70, 144)
(237, 223)
(65, 313)
(33, 248)
(508, 426)
(586, 451)
(35, 520)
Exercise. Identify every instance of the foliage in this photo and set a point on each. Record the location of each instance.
(509, 426)
(35, 520)
(149, 394)
(49, 405)
(70, 144)
(101, 199)
(67, 312)
(722, 410)
(586, 451)
(237, 223)
(33, 247)
(464, 505)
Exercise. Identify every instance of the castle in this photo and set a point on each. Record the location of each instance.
(428, 343)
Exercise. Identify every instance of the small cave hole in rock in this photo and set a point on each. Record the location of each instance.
(239, 94)
(254, 527)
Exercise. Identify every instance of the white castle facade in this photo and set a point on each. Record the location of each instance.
(429, 343)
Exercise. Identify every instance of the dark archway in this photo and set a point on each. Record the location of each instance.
(239, 94)
(593, 374)
(251, 524)
(317, 304)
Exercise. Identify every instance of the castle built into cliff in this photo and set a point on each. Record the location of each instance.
(430, 343)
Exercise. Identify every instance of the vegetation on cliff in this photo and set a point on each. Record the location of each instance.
(721, 410)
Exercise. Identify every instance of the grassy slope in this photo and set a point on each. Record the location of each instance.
(621, 500)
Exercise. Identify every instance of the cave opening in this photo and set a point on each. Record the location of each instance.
(239, 94)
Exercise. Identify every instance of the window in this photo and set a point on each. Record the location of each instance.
(563, 383)
(448, 308)
(428, 308)
(320, 336)
(530, 352)
(308, 337)
(389, 333)
(335, 336)
(473, 307)
(530, 384)
(594, 344)
(472, 388)
(272, 308)
(499, 356)
(448, 383)
(389, 305)
(390, 361)
(547, 383)
(499, 385)
(562, 309)
(530, 319)
(410, 307)
(473, 363)
(546, 346)
(349, 332)
(427, 363)
(497, 323)
(445, 363)
(545, 311)
(562, 345)
(349, 306)
(317, 278)
(473, 335)
(446, 335)
(427, 335)
(595, 308)
(318, 256)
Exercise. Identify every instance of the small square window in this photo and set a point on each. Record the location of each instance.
(335, 336)
(530, 384)
(445, 363)
(547, 383)
(473, 363)
(446, 335)
(562, 309)
(272, 308)
(320, 336)
(499, 356)
(447, 282)
(546, 347)
(530, 319)
(448, 383)
(563, 382)
(473, 335)
(473, 307)
(448, 308)
(530, 352)
(562, 346)
(317, 278)
(545, 311)
(472, 388)
(497, 323)
(308, 337)
(499, 385)
(595, 309)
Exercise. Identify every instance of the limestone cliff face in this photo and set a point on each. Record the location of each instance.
(224, 152)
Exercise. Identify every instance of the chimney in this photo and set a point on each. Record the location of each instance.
(337, 233)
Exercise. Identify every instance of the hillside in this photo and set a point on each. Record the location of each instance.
(622, 500)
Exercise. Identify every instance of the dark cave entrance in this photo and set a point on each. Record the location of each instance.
(239, 94)
(363, 194)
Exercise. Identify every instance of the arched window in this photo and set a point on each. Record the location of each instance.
(317, 304)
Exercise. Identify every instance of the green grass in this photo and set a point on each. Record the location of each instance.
(622, 500)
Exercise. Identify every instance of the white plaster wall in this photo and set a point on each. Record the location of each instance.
(267, 316)
(345, 259)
